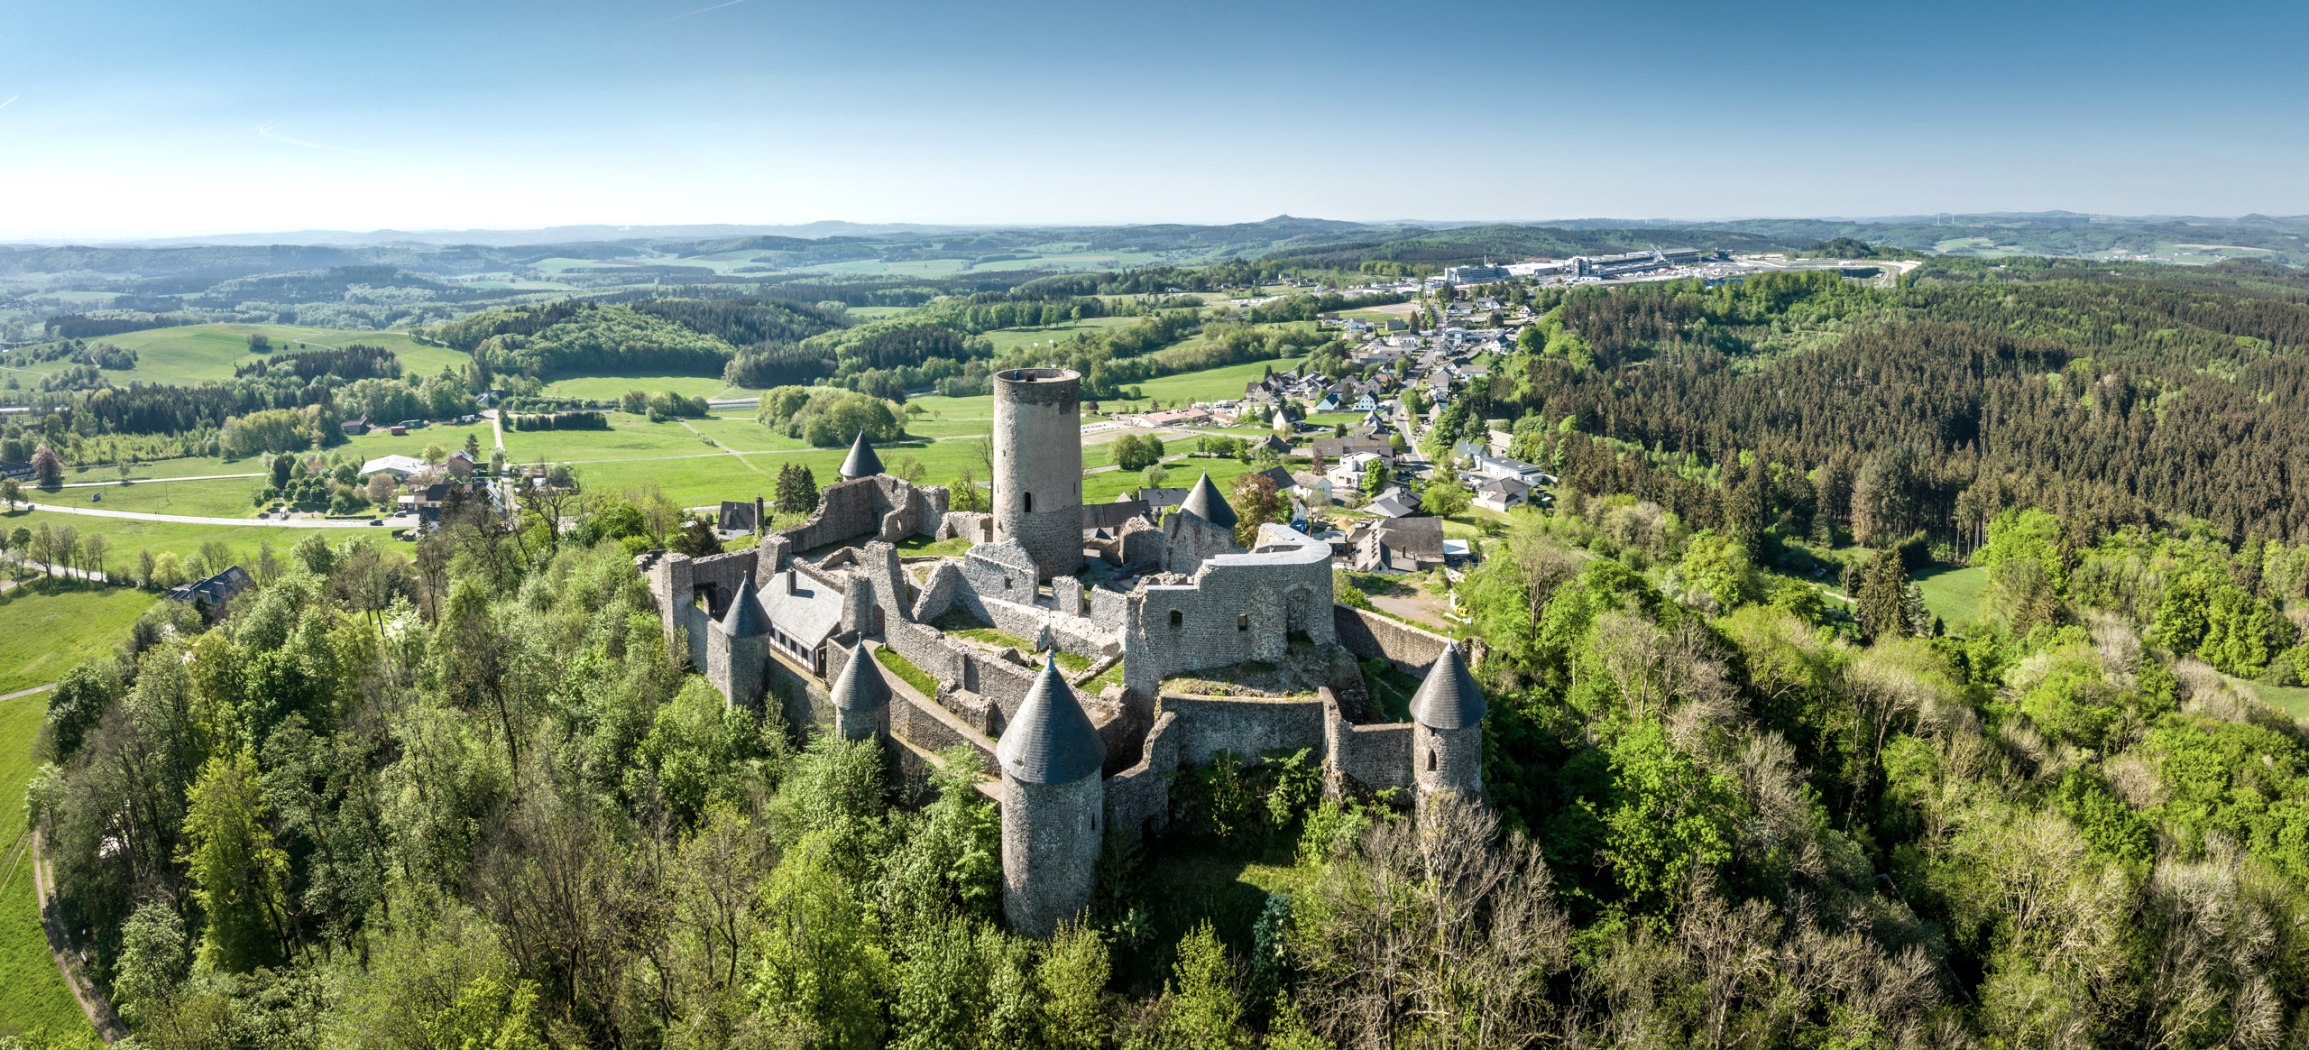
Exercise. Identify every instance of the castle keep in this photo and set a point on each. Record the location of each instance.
(1136, 645)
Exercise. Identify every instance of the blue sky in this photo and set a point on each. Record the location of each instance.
(150, 118)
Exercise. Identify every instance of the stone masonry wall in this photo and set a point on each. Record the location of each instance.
(1138, 799)
(1248, 728)
(1368, 634)
(1237, 608)
(1372, 757)
(862, 509)
(1037, 494)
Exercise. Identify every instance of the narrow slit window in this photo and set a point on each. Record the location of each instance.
(1177, 618)
(1242, 621)
(1431, 761)
(1030, 503)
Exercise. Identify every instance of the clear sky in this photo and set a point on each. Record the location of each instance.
(165, 117)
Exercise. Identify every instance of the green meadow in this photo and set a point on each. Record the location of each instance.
(1952, 594)
(35, 994)
(198, 353)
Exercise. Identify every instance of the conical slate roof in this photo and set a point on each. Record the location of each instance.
(860, 686)
(1449, 698)
(863, 463)
(1050, 740)
(745, 618)
(1206, 503)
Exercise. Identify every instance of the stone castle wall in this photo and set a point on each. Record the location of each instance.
(1248, 728)
(1238, 607)
(879, 507)
(1368, 634)
(1371, 757)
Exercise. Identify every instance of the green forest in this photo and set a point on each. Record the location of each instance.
(1744, 786)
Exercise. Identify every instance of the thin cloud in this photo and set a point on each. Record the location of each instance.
(699, 11)
(11, 100)
(268, 129)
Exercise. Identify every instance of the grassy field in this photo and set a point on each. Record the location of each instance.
(43, 635)
(35, 993)
(612, 387)
(1212, 384)
(197, 353)
(223, 498)
(744, 434)
(946, 417)
(2293, 700)
(1103, 488)
(629, 437)
(1008, 339)
(381, 442)
(125, 537)
(1952, 594)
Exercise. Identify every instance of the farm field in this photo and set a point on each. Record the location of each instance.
(125, 537)
(381, 442)
(221, 498)
(1211, 384)
(197, 353)
(744, 434)
(945, 417)
(612, 387)
(629, 437)
(45, 635)
(1008, 339)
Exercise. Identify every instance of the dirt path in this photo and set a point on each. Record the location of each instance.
(22, 693)
(92, 1003)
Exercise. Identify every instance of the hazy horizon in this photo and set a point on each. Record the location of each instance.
(144, 121)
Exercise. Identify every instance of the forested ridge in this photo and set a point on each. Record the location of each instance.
(1743, 787)
(2145, 398)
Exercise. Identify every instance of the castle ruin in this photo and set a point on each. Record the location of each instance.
(1125, 646)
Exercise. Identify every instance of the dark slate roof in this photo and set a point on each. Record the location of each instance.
(860, 686)
(863, 463)
(1206, 503)
(1050, 740)
(745, 618)
(1449, 698)
(1420, 536)
(1114, 515)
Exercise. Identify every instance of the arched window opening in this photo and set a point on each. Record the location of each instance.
(1242, 621)
(1177, 618)
(1431, 761)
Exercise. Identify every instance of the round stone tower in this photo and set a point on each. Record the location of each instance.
(1038, 466)
(1053, 806)
(1447, 730)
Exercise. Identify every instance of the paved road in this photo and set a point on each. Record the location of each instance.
(155, 481)
(55, 570)
(180, 519)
